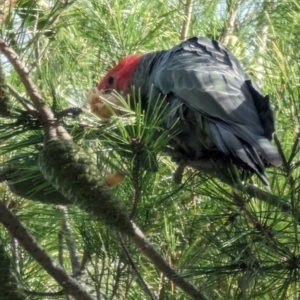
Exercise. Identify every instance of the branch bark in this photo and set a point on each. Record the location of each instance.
(52, 129)
(232, 7)
(187, 19)
(263, 41)
(17, 230)
(141, 281)
(9, 286)
(70, 241)
(6, 6)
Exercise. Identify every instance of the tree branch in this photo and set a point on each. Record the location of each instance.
(263, 41)
(9, 286)
(51, 128)
(16, 229)
(207, 167)
(187, 19)
(294, 148)
(229, 25)
(5, 9)
(141, 281)
(44, 294)
(22, 100)
(146, 247)
(68, 234)
(32, 91)
(136, 176)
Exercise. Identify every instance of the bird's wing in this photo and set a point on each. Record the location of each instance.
(208, 79)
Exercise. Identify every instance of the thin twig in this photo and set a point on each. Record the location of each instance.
(264, 196)
(5, 9)
(85, 259)
(15, 254)
(294, 148)
(263, 44)
(23, 101)
(256, 223)
(60, 248)
(149, 251)
(287, 169)
(187, 19)
(100, 275)
(141, 281)
(117, 278)
(16, 229)
(71, 111)
(44, 294)
(205, 166)
(160, 286)
(47, 117)
(70, 241)
(30, 87)
(5, 107)
(229, 25)
(280, 150)
(64, 5)
(136, 145)
(264, 231)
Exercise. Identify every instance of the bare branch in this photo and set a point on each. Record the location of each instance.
(15, 254)
(136, 176)
(149, 251)
(187, 19)
(229, 25)
(85, 259)
(265, 196)
(24, 75)
(23, 101)
(47, 117)
(6, 6)
(206, 166)
(44, 294)
(295, 147)
(9, 285)
(16, 229)
(141, 281)
(60, 248)
(66, 227)
(71, 111)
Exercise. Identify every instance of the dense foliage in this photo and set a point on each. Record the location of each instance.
(229, 243)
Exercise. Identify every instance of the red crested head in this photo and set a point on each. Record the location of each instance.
(119, 77)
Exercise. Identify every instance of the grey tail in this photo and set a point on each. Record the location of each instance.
(240, 151)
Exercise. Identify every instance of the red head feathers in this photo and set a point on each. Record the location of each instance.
(119, 77)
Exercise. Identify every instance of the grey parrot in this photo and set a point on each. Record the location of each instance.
(219, 110)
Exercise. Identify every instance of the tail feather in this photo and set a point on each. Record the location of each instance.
(240, 150)
(268, 152)
(261, 144)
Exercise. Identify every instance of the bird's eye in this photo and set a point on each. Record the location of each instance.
(110, 80)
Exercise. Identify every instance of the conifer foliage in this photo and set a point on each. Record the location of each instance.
(67, 230)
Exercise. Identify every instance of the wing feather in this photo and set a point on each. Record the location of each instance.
(207, 78)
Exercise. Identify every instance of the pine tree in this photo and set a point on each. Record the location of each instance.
(65, 232)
